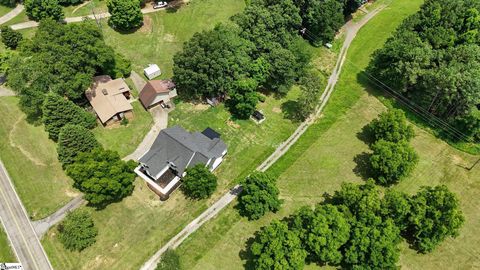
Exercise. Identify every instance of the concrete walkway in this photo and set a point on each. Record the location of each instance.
(351, 29)
(138, 81)
(12, 14)
(43, 225)
(160, 119)
(32, 24)
(20, 232)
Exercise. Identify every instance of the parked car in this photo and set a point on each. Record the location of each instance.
(160, 4)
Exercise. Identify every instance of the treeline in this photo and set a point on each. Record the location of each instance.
(433, 59)
(50, 74)
(260, 49)
(358, 227)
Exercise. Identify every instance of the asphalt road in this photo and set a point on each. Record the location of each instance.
(17, 225)
(351, 29)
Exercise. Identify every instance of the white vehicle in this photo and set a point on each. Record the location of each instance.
(160, 4)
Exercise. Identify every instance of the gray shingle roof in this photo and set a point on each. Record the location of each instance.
(182, 148)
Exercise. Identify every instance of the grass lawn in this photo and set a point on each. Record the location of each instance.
(31, 160)
(164, 32)
(327, 155)
(84, 9)
(22, 17)
(6, 252)
(4, 10)
(124, 139)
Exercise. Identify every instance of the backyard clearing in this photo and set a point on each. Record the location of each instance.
(31, 160)
(328, 154)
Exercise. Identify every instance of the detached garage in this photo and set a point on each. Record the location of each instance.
(152, 71)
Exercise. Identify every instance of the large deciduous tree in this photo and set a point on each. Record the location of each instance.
(259, 196)
(58, 112)
(392, 126)
(435, 215)
(277, 247)
(125, 14)
(61, 59)
(243, 99)
(211, 62)
(199, 183)
(102, 176)
(323, 231)
(311, 86)
(77, 231)
(73, 140)
(321, 18)
(43, 9)
(392, 161)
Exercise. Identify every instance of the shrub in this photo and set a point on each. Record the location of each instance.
(169, 261)
(10, 38)
(199, 183)
(77, 231)
(392, 126)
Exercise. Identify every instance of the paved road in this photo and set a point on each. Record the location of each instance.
(12, 14)
(351, 29)
(193, 226)
(32, 24)
(17, 225)
(42, 226)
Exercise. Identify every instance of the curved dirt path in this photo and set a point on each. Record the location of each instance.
(27, 154)
(351, 29)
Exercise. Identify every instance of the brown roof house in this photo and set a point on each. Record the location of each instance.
(157, 92)
(109, 99)
(173, 152)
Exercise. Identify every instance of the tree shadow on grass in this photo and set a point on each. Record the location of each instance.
(363, 168)
(366, 135)
(290, 109)
(246, 253)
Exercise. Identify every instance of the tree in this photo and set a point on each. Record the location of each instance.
(199, 183)
(277, 247)
(61, 59)
(391, 162)
(392, 126)
(72, 140)
(102, 176)
(5, 58)
(70, 2)
(10, 38)
(435, 216)
(211, 63)
(8, 3)
(322, 18)
(243, 99)
(58, 112)
(169, 261)
(374, 238)
(259, 196)
(77, 231)
(283, 70)
(350, 6)
(38, 10)
(310, 86)
(397, 206)
(323, 232)
(119, 67)
(125, 14)
(373, 244)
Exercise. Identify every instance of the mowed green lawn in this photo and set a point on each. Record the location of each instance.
(164, 32)
(6, 252)
(326, 156)
(132, 230)
(125, 139)
(31, 160)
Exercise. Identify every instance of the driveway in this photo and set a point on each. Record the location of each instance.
(160, 119)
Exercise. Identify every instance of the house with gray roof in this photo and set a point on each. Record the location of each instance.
(175, 150)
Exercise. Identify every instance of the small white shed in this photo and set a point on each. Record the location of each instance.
(152, 71)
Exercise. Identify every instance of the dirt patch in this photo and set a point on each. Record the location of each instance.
(169, 37)
(147, 25)
(200, 107)
(457, 160)
(232, 124)
(276, 110)
(71, 194)
(22, 150)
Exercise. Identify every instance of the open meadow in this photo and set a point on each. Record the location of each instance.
(331, 152)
